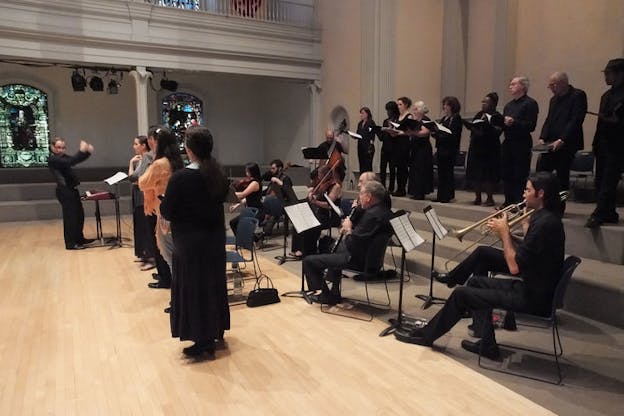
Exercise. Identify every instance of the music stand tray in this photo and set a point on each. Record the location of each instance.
(314, 153)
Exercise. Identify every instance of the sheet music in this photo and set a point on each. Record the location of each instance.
(438, 126)
(302, 217)
(434, 222)
(118, 177)
(404, 230)
(335, 207)
(354, 135)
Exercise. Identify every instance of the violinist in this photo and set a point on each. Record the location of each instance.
(250, 195)
(334, 150)
(325, 181)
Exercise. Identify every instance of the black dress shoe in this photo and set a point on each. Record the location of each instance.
(329, 299)
(446, 279)
(399, 193)
(412, 336)
(76, 247)
(87, 240)
(155, 276)
(168, 309)
(489, 351)
(159, 285)
(198, 349)
(593, 222)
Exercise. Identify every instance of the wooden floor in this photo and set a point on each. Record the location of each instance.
(82, 334)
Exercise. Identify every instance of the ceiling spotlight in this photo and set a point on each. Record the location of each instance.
(113, 87)
(96, 83)
(166, 84)
(78, 81)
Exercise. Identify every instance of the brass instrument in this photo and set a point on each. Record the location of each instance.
(516, 213)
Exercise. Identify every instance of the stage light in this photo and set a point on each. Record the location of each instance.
(78, 81)
(96, 83)
(113, 87)
(166, 84)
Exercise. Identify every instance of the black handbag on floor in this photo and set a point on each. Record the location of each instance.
(260, 296)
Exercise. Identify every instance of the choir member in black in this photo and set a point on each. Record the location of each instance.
(484, 151)
(520, 119)
(67, 190)
(608, 145)
(324, 181)
(563, 127)
(280, 186)
(137, 166)
(335, 150)
(447, 148)
(537, 261)
(366, 145)
(352, 249)
(402, 148)
(421, 158)
(250, 195)
(388, 158)
(193, 203)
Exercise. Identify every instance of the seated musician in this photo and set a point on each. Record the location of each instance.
(324, 181)
(537, 261)
(352, 249)
(280, 186)
(334, 150)
(249, 193)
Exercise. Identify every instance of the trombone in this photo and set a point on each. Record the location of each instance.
(516, 213)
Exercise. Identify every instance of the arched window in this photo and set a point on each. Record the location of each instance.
(24, 131)
(180, 111)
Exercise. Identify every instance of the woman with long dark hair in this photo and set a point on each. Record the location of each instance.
(250, 195)
(139, 163)
(153, 183)
(447, 146)
(366, 145)
(193, 203)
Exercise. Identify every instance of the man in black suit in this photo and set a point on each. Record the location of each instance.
(537, 262)
(563, 127)
(66, 190)
(351, 251)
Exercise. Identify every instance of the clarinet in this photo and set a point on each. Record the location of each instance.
(337, 243)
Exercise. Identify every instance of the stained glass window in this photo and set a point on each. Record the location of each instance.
(179, 4)
(180, 111)
(24, 131)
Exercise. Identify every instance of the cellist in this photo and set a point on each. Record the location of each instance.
(334, 150)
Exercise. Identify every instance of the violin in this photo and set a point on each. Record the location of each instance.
(241, 185)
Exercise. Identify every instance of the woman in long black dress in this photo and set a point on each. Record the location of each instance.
(193, 203)
(366, 145)
(402, 147)
(484, 152)
(387, 159)
(421, 159)
(447, 146)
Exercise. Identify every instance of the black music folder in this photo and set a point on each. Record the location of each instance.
(314, 153)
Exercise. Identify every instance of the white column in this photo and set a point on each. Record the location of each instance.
(315, 104)
(454, 49)
(141, 78)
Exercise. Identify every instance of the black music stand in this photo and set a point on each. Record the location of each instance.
(440, 232)
(409, 240)
(284, 258)
(303, 219)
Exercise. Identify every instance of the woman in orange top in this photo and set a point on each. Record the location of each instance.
(153, 183)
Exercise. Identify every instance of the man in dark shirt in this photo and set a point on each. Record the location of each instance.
(520, 118)
(66, 190)
(281, 187)
(563, 127)
(352, 250)
(537, 261)
(331, 145)
(608, 145)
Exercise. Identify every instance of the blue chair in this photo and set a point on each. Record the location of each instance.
(551, 321)
(250, 212)
(244, 251)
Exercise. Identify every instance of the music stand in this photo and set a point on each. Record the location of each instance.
(409, 239)
(302, 219)
(284, 258)
(440, 232)
(114, 180)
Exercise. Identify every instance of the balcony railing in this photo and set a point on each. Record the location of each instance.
(299, 13)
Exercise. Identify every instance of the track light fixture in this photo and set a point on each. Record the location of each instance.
(78, 81)
(113, 87)
(96, 83)
(166, 84)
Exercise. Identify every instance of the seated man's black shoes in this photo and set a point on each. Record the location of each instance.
(446, 279)
(412, 336)
(159, 285)
(490, 351)
(76, 247)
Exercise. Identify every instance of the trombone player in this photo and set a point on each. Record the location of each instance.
(537, 262)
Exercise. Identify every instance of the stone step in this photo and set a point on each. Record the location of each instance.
(47, 209)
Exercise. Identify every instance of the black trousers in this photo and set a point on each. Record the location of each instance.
(162, 268)
(446, 176)
(479, 297)
(314, 267)
(142, 248)
(401, 162)
(516, 164)
(73, 215)
(560, 162)
(366, 159)
(611, 165)
(480, 262)
(384, 163)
